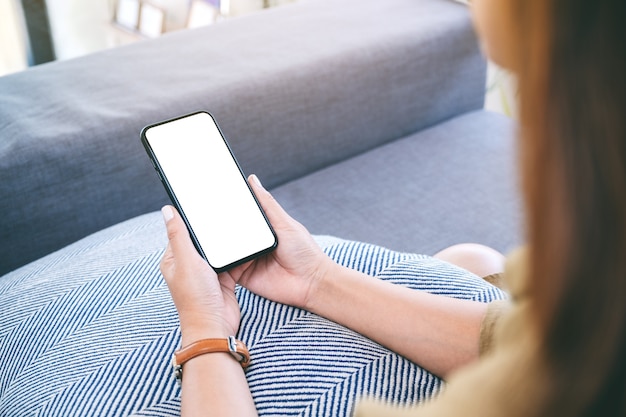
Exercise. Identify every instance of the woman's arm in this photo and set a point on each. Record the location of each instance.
(437, 332)
(213, 384)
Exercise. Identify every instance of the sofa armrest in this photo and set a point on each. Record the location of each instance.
(294, 89)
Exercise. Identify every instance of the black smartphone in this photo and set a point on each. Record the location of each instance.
(207, 186)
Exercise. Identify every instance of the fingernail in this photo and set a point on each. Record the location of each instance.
(256, 179)
(168, 213)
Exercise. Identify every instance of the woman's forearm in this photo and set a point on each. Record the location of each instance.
(436, 332)
(215, 385)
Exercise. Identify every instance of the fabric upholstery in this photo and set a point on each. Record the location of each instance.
(452, 183)
(294, 89)
(90, 330)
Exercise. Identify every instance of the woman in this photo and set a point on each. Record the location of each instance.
(559, 349)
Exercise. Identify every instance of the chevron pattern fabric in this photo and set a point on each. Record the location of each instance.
(90, 330)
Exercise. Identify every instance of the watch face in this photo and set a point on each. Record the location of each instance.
(178, 373)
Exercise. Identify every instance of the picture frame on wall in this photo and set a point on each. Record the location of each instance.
(203, 13)
(151, 20)
(127, 14)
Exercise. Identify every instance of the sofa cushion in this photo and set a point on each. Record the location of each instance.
(294, 89)
(452, 183)
(90, 330)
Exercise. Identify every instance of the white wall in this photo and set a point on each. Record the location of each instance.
(83, 26)
(80, 27)
(12, 47)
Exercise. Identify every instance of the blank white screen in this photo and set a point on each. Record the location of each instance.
(210, 189)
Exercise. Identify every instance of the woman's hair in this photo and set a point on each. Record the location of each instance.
(572, 83)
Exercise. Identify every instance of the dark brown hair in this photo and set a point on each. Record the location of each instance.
(573, 149)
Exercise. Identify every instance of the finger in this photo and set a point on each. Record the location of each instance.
(167, 262)
(227, 281)
(168, 257)
(272, 208)
(180, 245)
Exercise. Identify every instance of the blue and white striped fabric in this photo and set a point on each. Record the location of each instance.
(90, 330)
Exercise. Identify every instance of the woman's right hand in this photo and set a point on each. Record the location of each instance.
(440, 333)
(292, 272)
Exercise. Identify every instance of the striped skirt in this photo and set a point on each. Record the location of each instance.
(90, 331)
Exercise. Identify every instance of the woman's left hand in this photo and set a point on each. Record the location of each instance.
(206, 302)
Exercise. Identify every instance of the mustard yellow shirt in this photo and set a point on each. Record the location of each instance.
(508, 380)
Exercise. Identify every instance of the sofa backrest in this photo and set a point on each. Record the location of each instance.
(294, 89)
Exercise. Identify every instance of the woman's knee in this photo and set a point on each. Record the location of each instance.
(478, 259)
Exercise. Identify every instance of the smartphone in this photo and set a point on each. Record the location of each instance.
(206, 184)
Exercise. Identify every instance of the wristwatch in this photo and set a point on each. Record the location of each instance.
(230, 345)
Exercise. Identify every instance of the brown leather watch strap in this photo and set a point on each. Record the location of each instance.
(230, 345)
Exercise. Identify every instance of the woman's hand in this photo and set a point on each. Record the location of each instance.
(206, 303)
(291, 273)
(207, 308)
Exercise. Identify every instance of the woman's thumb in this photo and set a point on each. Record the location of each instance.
(179, 240)
(168, 213)
(273, 210)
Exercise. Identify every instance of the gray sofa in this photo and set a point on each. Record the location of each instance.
(364, 117)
